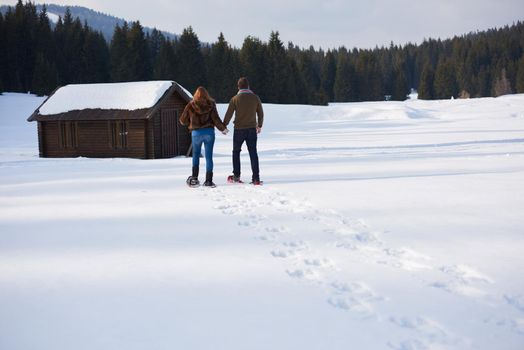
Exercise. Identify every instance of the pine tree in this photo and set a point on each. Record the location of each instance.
(222, 72)
(154, 44)
(463, 73)
(368, 77)
(10, 51)
(310, 76)
(26, 22)
(328, 74)
(483, 82)
(70, 36)
(138, 53)
(511, 73)
(345, 80)
(96, 56)
(425, 87)
(520, 76)
(120, 65)
(191, 69)
(278, 88)
(253, 58)
(165, 65)
(45, 44)
(445, 83)
(45, 79)
(3, 56)
(295, 86)
(400, 86)
(501, 85)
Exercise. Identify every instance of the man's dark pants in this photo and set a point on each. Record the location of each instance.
(250, 137)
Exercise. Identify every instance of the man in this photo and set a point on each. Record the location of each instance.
(246, 106)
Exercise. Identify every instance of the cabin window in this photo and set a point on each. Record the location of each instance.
(119, 131)
(68, 137)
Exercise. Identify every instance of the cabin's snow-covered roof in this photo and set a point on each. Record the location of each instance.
(121, 96)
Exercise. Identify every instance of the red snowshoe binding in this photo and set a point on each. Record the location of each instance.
(232, 179)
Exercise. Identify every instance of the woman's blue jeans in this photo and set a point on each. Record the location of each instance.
(207, 137)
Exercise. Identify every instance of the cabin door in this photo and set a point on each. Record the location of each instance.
(168, 120)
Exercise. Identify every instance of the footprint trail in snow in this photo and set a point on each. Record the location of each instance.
(297, 233)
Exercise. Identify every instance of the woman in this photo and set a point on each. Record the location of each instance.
(201, 116)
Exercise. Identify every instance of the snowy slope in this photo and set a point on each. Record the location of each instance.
(391, 225)
(53, 17)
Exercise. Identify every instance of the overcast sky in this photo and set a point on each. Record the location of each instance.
(326, 24)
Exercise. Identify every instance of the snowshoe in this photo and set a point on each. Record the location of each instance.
(210, 184)
(232, 179)
(192, 182)
(209, 180)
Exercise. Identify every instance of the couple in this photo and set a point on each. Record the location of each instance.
(201, 116)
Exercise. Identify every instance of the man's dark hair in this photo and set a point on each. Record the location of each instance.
(243, 83)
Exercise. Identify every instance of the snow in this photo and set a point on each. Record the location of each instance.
(53, 17)
(384, 225)
(125, 96)
(413, 95)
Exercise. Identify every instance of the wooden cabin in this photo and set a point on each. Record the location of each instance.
(133, 120)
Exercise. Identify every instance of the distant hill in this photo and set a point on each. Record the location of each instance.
(96, 20)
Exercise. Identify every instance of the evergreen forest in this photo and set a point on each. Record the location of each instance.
(38, 57)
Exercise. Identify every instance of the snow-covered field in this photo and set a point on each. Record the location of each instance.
(380, 226)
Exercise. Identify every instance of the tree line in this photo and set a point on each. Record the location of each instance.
(36, 57)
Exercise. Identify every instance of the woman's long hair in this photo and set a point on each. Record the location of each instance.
(202, 96)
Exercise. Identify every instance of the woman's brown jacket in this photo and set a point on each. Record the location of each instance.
(200, 115)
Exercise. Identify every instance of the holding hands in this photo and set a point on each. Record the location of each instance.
(226, 130)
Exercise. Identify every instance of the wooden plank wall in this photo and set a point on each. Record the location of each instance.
(51, 137)
(169, 120)
(94, 140)
(183, 135)
(150, 138)
(41, 140)
(157, 135)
